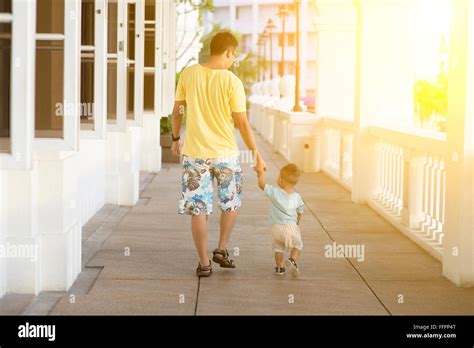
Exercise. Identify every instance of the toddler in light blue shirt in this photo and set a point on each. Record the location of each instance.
(284, 216)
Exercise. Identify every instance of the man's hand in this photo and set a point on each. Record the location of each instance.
(175, 148)
(261, 180)
(260, 165)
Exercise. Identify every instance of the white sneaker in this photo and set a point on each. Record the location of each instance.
(293, 267)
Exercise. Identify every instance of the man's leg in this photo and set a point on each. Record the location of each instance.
(199, 229)
(227, 225)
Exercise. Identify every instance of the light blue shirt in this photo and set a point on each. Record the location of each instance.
(284, 206)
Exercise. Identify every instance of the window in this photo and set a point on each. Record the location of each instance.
(112, 43)
(87, 65)
(5, 74)
(49, 104)
(150, 33)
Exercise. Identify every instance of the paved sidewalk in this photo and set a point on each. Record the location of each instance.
(147, 263)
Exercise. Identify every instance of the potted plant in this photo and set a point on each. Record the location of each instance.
(166, 141)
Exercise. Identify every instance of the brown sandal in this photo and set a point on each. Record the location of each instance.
(204, 271)
(222, 258)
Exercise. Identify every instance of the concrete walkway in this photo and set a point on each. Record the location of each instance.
(146, 265)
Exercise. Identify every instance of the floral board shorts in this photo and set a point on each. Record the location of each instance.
(198, 181)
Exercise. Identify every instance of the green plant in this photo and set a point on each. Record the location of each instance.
(165, 122)
(165, 125)
(431, 102)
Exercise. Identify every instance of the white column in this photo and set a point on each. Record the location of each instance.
(92, 143)
(123, 166)
(304, 25)
(122, 146)
(91, 177)
(3, 201)
(458, 253)
(336, 56)
(42, 217)
(232, 15)
(72, 74)
(151, 148)
(384, 81)
(255, 25)
(58, 220)
(19, 223)
(139, 60)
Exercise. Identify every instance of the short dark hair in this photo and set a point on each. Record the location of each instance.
(222, 41)
(290, 173)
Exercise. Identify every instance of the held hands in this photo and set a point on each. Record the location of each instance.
(260, 165)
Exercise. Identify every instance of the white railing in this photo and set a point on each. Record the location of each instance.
(336, 149)
(407, 169)
(411, 187)
(391, 179)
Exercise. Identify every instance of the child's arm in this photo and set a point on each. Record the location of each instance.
(298, 218)
(261, 180)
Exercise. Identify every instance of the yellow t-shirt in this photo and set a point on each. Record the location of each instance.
(211, 96)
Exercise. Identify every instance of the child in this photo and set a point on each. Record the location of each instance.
(285, 214)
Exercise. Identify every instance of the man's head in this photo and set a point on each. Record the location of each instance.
(223, 47)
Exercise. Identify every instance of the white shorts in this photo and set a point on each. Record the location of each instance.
(286, 237)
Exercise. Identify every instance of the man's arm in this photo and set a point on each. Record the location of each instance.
(176, 122)
(242, 124)
(298, 218)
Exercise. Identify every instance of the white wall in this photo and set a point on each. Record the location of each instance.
(2, 231)
(91, 177)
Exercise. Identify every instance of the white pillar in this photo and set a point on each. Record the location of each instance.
(42, 218)
(304, 16)
(255, 25)
(232, 15)
(19, 222)
(458, 250)
(3, 201)
(123, 166)
(151, 149)
(336, 56)
(91, 177)
(58, 220)
(384, 80)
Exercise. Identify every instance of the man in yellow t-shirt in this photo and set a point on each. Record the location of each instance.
(214, 98)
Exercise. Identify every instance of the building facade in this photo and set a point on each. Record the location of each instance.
(84, 85)
(249, 18)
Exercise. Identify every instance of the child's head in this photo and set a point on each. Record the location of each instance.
(289, 175)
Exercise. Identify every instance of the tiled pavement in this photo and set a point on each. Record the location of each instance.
(141, 260)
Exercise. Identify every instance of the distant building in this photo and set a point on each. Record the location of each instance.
(249, 18)
(188, 36)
